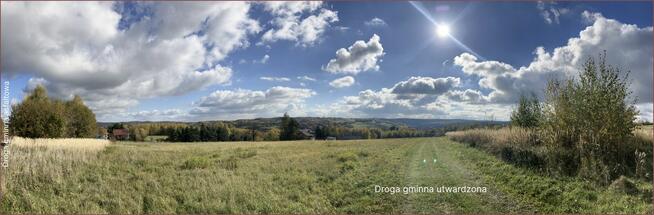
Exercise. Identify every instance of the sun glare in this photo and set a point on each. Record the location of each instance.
(443, 31)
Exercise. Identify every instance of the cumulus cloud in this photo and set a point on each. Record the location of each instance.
(467, 95)
(240, 103)
(550, 12)
(113, 60)
(426, 85)
(359, 57)
(417, 97)
(342, 82)
(266, 78)
(375, 22)
(628, 47)
(386, 104)
(290, 24)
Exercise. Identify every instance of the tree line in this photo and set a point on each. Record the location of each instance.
(38, 116)
(288, 129)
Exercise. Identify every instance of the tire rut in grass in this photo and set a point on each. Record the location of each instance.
(433, 164)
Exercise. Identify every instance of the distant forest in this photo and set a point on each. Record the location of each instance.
(287, 128)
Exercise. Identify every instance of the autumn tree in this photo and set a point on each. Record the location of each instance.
(588, 121)
(81, 120)
(38, 117)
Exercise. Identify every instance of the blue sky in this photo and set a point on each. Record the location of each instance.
(113, 53)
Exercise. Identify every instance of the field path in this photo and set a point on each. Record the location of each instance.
(435, 164)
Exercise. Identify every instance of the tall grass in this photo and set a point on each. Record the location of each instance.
(48, 159)
(524, 147)
(515, 145)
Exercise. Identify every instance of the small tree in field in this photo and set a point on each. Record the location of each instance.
(588, 123)
(528, 114)
(289, 128)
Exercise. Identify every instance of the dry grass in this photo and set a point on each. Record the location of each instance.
(644, 132)
(494, 139)
(52, 159)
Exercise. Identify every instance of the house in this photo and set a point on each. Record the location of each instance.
(119, 134)
(307, 134)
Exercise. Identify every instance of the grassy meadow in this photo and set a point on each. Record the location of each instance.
(288, 177)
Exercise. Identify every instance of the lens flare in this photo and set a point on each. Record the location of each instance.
(443, 31)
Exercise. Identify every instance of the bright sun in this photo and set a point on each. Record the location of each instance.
(443, 31)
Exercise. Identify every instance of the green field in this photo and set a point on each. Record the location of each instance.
(305, 177)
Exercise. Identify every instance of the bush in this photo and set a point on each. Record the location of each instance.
(528, 114)
(586, 129)
(589, 123)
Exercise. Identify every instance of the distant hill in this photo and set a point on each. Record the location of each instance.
(312, 122)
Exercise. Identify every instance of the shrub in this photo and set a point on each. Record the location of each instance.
(528, 114)
(589, 123)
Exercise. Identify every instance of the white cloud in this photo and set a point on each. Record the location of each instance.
(426, 85)
(645, 110)
(375, 22)
(77, 48)
(359, 57)
(306, 78)
(263, 60)
(467, 95)
(386, 104)
(417, 97)
(550, 12)
(342, 29)
(157, 115)
(289, 23)
(628, 47)
(266, 78)
(342, 82)
(240, 103)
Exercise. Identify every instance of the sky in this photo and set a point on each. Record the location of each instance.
(192, 61)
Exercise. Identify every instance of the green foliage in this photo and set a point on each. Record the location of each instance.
(81, 120)
(528, 114)
(290, 128)
(38, 117)
(272, 134)
(588, 123)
